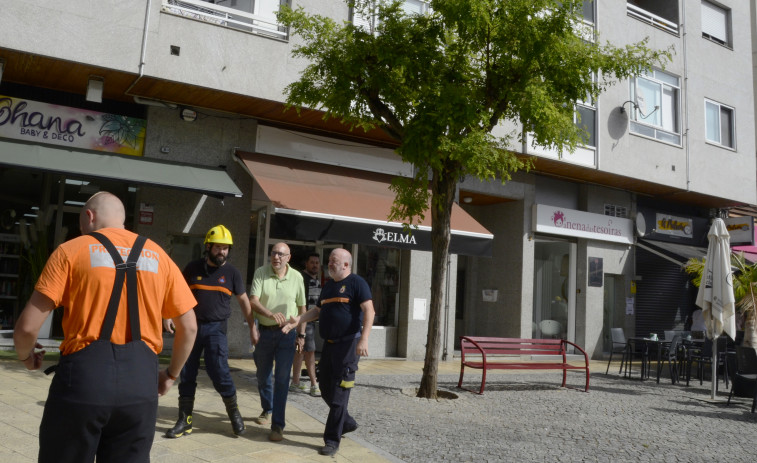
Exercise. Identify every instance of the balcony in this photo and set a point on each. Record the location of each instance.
(652, 19)
(253, 16)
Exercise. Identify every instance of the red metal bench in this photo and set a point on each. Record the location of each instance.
(484, 353)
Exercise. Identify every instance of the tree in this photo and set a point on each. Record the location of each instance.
(442, 83)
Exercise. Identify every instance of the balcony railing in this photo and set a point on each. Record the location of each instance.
(650, 18)
(227, 17)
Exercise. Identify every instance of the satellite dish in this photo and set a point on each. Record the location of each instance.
(641, 103)
(641, 225)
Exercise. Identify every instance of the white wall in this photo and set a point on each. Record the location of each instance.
(706, 70)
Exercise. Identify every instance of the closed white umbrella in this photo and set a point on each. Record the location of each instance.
(715, 295)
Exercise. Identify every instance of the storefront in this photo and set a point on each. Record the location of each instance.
(582, 270)
(317, 206)
(52, 159)
(667, 240)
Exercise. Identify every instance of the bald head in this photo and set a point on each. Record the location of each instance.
(340, 264)
(102, 210)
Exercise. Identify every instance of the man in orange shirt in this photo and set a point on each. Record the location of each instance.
(104, 396)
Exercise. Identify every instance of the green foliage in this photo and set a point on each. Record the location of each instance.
(443, 84)
(744, 279)
(440, 83)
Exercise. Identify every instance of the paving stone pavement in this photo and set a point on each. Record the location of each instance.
(525, 417)
(522, 417)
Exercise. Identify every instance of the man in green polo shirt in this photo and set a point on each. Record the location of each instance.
(277, 293)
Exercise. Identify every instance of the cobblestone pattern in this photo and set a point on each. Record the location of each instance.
(529, 418)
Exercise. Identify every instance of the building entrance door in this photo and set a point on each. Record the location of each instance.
(554, 288)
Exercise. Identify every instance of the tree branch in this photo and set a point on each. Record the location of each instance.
(390, 123)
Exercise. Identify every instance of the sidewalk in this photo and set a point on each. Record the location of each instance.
(22, 396)
(522, 417)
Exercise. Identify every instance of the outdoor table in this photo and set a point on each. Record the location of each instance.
(648, 345)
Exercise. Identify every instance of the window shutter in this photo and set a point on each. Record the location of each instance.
(362, 21)
(414, 7)
(714, 22)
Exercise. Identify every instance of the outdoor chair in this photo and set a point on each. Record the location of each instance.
(703, 357)
(745, 379)
(673, 355)
(620, 346)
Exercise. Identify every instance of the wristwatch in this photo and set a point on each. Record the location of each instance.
(300, 335)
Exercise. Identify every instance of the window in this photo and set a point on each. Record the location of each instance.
(587, 122)
(656, 107)
(716, 23)
(587, 10)
(585, 118)
(380, 266)
(616, 211)
(719, 126)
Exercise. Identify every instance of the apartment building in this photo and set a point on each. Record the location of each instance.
(178, 107)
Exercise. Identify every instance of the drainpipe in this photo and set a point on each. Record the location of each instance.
(446, 310)
(143, 52)
(686, 94)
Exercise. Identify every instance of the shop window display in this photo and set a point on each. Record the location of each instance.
(380, 267)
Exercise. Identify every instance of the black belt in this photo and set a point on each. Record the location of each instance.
(269, 327)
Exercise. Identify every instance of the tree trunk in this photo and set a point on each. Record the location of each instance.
(442, 197)
(750, 330)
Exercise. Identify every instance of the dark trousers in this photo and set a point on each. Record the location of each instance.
(103, 402)
(336, 376)
(273, 359)
(211, 340)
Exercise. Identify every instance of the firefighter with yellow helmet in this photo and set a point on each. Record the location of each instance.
(213, 281)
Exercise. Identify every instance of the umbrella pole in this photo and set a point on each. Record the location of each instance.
(714, 365)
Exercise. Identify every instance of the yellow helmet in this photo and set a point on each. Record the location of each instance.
(219, 234)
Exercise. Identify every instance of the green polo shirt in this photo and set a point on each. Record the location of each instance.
(282, 295)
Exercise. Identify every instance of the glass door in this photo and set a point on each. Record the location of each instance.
(613, 305)
(554, 287)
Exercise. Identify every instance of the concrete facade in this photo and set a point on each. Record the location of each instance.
(211, 67)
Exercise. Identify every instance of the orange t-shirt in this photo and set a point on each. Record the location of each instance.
(79, 276)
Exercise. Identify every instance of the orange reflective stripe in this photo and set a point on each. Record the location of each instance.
(211, 288)
(336, 299)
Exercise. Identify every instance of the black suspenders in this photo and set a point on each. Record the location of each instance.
(124, 271)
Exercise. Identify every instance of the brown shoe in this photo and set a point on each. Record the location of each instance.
(276, 434)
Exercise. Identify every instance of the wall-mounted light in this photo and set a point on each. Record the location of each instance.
(187, 114)
(467, 200)
(95, 86)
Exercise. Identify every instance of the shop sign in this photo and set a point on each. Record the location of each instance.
(682, 227)
(741, 230)
(385, 237)
(569, 222)
(301, 227)
(29, 120)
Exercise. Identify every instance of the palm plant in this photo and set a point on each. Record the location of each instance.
(744, 291)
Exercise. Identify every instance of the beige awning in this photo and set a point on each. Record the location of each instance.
(313, 191)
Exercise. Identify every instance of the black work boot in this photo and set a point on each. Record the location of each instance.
(237, 423)
(184, 423)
